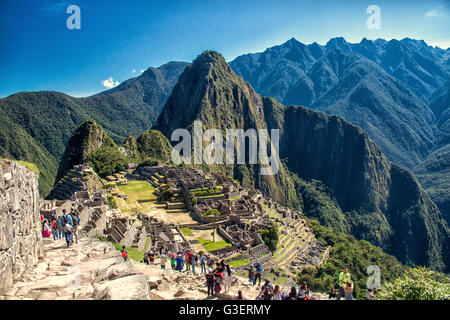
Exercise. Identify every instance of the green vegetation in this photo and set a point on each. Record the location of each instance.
(133, 253)
(137, 190)
(213, 245)
(238, 263)
(108, 160)
(30, 166)
(270, 236)
(417, 284)
(111, 201)
(186, 231)
(348, 252)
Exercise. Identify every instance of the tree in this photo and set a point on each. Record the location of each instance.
(211, 214)
(270, 236)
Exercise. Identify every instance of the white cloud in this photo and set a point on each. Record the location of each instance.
(110, 83)
(134, 70)
(436, 13)
(142, 70)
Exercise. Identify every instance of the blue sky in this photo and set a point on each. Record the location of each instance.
(39, 52)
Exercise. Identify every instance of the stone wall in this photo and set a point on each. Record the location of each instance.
(20, 227)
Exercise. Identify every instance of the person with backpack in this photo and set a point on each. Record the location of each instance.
(76, 222)
(61, 226)
(124, 253)
(180, 263)
(67, 223)
(259, 271)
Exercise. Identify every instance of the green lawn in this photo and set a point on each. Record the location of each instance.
(238, 263)
(186, 231)
(138, 190)
(211, 246)
(133, 253)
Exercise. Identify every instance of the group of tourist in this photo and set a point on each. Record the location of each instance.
(63, 227)
(219, 276)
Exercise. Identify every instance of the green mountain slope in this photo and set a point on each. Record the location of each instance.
(37, 125)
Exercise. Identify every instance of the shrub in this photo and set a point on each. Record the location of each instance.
(417, 284)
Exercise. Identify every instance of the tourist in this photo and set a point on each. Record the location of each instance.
(54, 230)
(277, 295)
(61, 225)
(210, 262)
(228, 277)
(195, 259)
(180, 263)
(251, 275)
(218, 278)
(173, 261)
(53, 216)
(259, 271)
(292, 294)
(344, 277)
(239, 296)
(267, 294)
(267, 284)
(146, 257)
(349, 290)
(45, 229)
(210, 283)
(76, 221)
(332, 295)
(303, 292)
(202, 263)
(188, 257)
(162, 259)
(67, 223)
(162, 250)
(59, 230)
(124, 253)
(151, 257)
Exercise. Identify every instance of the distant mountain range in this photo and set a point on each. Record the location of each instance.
(36, 126)
(397, 91)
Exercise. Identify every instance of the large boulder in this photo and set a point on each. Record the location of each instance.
(133, 287)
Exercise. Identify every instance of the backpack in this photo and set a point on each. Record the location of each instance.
(124, 254)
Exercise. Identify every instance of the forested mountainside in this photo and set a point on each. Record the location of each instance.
(37, 125)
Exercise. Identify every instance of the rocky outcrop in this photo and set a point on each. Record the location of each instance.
(20, 226)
